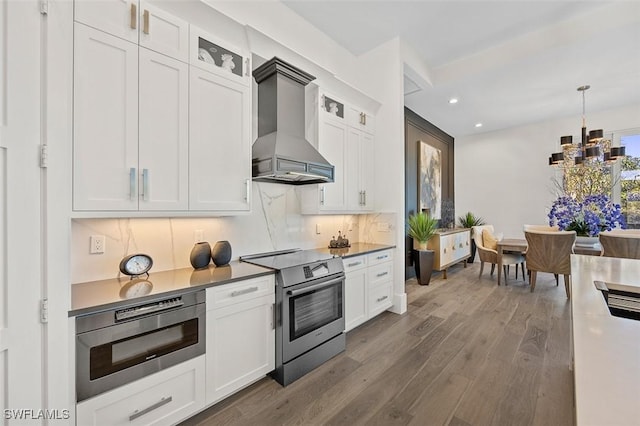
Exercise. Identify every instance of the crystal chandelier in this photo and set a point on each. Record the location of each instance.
(593, 150)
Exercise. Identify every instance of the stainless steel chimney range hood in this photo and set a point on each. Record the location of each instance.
(281, 154)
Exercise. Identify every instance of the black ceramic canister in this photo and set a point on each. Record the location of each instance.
(200, 255)
(221, 253)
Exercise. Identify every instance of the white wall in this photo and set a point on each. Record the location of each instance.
(504, 176)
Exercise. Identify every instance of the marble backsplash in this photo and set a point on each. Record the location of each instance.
(275, 223)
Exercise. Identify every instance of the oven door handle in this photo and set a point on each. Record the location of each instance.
(315, 286)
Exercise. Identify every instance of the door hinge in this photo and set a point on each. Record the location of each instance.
(44, 311)
(44, 7)
(44, 156)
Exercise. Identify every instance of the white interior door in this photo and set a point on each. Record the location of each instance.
(20, 230)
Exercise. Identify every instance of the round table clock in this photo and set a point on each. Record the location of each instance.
(136, 264)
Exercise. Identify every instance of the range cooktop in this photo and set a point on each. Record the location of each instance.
(284, 259)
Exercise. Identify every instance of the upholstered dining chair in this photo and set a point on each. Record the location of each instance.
(549, 251)
(623, 243)
(486, 246)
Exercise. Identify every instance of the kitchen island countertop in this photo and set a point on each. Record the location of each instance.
(356, 249)
(95, 296)
(606, 349)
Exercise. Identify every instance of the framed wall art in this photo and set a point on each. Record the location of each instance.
(429, 179)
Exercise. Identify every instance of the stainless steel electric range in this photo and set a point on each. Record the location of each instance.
(309, 309)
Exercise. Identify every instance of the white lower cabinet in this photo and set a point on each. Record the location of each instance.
(368, 286)
(355, 291)
(240, 335)
(163, 398)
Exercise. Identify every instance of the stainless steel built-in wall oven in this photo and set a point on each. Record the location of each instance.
(309, 310)
(119, 346)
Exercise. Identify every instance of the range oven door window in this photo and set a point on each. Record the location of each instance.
(314, 307)
(117, 355)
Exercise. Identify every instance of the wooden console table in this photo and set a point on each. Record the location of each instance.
(450, 246)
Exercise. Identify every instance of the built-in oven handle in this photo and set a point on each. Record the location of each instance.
(140, 413)
(315, 286)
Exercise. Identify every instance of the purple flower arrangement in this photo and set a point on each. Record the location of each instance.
(596, 213)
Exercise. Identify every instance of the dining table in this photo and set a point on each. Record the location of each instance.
(519, 245)
(509, 244)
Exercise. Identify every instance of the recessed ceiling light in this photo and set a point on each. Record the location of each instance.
(478, 124)
(453, 100)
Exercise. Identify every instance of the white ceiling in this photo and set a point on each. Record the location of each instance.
(509, 62)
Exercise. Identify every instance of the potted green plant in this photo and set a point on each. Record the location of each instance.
(467, 221)
(421, 227)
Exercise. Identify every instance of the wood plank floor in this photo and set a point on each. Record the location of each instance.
(466, 352)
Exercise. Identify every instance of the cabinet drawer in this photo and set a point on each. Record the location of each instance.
(380, 257)
(380, 273)
(380, 298)
(229, 294)
(164, 398)
(354, 263)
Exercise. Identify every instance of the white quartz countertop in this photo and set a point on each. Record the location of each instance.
(606, 349)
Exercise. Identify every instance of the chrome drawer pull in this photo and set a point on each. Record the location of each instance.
(243, 291)
(382, 257)
(353, 264)
(139, 413)
(382, 274)
(380, 299)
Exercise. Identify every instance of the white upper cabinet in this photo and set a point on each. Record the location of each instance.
(220, 143)
(211, 53)
(105, 139)
(137, 22)
(347, 143)
(163, 144)
(130, 126)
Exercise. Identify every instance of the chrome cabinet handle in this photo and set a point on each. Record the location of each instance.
(364, 198)
(244, 291)
(354, 264)
(382, 257)
(273, 316)
(139, 413)
(380, 299)
(246, 67)
(134, 16)
(145, 184)
(132, 183)
(363, 118)
(323, 103)
(247, 193)
(145, 16)
(322, 196)
(382, 274)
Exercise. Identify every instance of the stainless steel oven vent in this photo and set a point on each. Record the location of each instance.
(281, 153)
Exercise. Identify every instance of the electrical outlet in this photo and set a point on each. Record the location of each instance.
(384, 226)
(318, 228)
(198, 235)
(97, 244)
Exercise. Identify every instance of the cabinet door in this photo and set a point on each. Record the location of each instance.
(332, 144)
(240, 345)
(366, 174)
(355, 298)
(209, 52)
(116, 17)
(164, 133)
(359, 180)
(105, 139)
(163, 32)
(220, 143)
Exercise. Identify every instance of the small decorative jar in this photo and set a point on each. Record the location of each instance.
(221, 253)
(200, 255)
